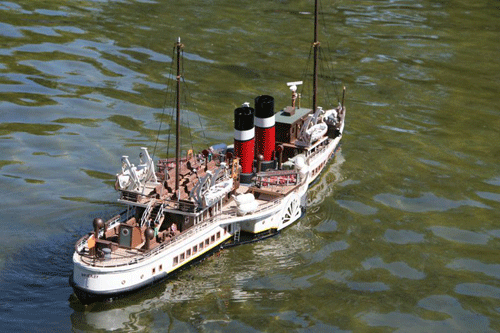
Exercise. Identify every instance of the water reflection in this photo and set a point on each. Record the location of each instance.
(425, 203)
(323, 186)
(398, 269)
(476, 266)
(462, 236)
(403, 236)
(478, 290)
(459, 319)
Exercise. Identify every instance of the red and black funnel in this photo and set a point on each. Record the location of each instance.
(244, 141)
(264, 130)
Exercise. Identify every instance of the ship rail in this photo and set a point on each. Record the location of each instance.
(203, 225)
(270, 204)
(137, 255)
(316, 151)
(277, 178)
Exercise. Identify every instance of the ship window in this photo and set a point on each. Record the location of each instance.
(176, 260)
(154, 271)
(195, 249)
(218, 234)
(207, 241)
(160, 268)
(212, 239)
(188, 253)
(201, 245)
(182, 256)
(225, 230)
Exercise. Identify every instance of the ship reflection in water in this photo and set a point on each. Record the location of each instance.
(323, 187)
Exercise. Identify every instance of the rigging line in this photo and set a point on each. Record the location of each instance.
(321, 75)
(190, 133)
(167, 92)
(188, 102)
(329, 99)
(328, 58)
(171, 125)
(305, 73)
(188, 124)
(201, 126)
(197, 113)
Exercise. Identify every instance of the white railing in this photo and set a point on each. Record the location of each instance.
(146, 213)
(159, 215)
(139, 256)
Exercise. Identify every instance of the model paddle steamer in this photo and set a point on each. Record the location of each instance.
(181, 209)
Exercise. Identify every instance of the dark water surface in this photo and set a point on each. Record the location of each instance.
(402, 232)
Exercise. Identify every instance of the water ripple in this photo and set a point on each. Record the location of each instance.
(494, 181)
(368, 286)
(478, 290)
(403, 236)
(279, 282)
(460, 319)
(345, 278)
(473, 265)
(426, 203)
(8, 30)
(5, 5)
(357, 207)
(326, 251)
(489, 196)
(459, 235)
(399, 269)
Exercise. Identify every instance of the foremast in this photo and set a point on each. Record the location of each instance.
(178, 47)
(316, 44)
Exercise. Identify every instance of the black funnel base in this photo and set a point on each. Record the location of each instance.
(267, 165)
(246, 178)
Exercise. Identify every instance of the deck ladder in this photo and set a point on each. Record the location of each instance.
(159, 215)
(237, 231)
(147, 213)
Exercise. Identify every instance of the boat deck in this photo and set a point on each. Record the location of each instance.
(119, 257)
(267, 198)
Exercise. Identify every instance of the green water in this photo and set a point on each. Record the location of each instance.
(402, 231)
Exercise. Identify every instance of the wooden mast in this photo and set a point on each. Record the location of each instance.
(316, 45)
(177, 120)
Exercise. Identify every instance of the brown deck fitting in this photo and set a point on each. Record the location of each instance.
(190, 171)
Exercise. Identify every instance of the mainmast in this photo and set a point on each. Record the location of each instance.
(177, 119)
(316, 45)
